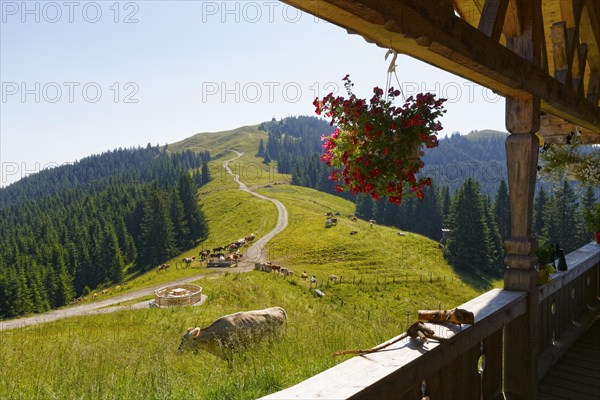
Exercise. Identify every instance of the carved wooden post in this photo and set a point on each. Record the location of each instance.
(520, 336)
(522, 146)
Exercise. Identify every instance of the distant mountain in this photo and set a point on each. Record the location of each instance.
(121, 165)
(480, 155)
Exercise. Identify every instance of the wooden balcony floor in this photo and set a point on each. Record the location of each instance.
(577, 373)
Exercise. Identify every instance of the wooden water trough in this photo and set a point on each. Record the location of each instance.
(178, 295)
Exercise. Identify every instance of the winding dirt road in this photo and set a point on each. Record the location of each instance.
(254, 254)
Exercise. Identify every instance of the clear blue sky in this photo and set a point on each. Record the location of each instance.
(83, 77)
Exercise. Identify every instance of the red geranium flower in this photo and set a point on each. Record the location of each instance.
(377, 145)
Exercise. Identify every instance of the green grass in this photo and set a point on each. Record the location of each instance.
(132, 354)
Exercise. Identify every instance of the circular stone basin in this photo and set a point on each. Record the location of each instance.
(178, 295)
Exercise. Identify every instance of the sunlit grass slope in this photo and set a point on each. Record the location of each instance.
(230, 213)
(132, 354)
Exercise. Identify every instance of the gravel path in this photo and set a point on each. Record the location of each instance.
(254, 254)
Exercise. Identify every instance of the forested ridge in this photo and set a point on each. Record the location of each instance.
(65, 231)
(469, 194)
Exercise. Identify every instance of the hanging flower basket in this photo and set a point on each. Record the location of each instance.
(376, 147)
(568, 161)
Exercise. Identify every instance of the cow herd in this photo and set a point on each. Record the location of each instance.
(270, 267)
(216, 253)
(332, 220)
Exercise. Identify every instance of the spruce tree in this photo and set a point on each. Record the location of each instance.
(267, 158)
(181, 232)
(473, 250)
(502, 210)
(560, 218)
(205, 172)
(297, 175)
(539, 207)
(192, 215)
(427, 217)
(364, 207)
(445, 205)
(587, 202)
(378, 211)
(157, 230)
(495, 239)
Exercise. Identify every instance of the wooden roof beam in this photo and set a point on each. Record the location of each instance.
(558, 36)
(542, 42)
(492, 18)
(513, 22)
(454, 46)
(578, 78)
(571, 14)
(593, 90)
(589, 32)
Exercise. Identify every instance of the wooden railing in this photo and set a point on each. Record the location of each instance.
(568, 305)
(469, 365)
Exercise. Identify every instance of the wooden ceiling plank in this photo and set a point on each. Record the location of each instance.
(492, 18)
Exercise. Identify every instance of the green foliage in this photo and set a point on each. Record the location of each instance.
(570, 161)
(539, 206)
(472, 247)
(85, 231)
(502, 210)
(592, 217)
(560, 218)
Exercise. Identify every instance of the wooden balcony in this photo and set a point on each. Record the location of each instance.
(475, 361)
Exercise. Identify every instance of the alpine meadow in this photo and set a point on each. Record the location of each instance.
(90, 236)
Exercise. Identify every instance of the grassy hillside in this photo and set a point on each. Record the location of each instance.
(132, 354)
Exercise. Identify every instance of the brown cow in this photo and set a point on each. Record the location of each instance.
(188, 261)
(162, 267)
(232, 332)
(275, 268)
